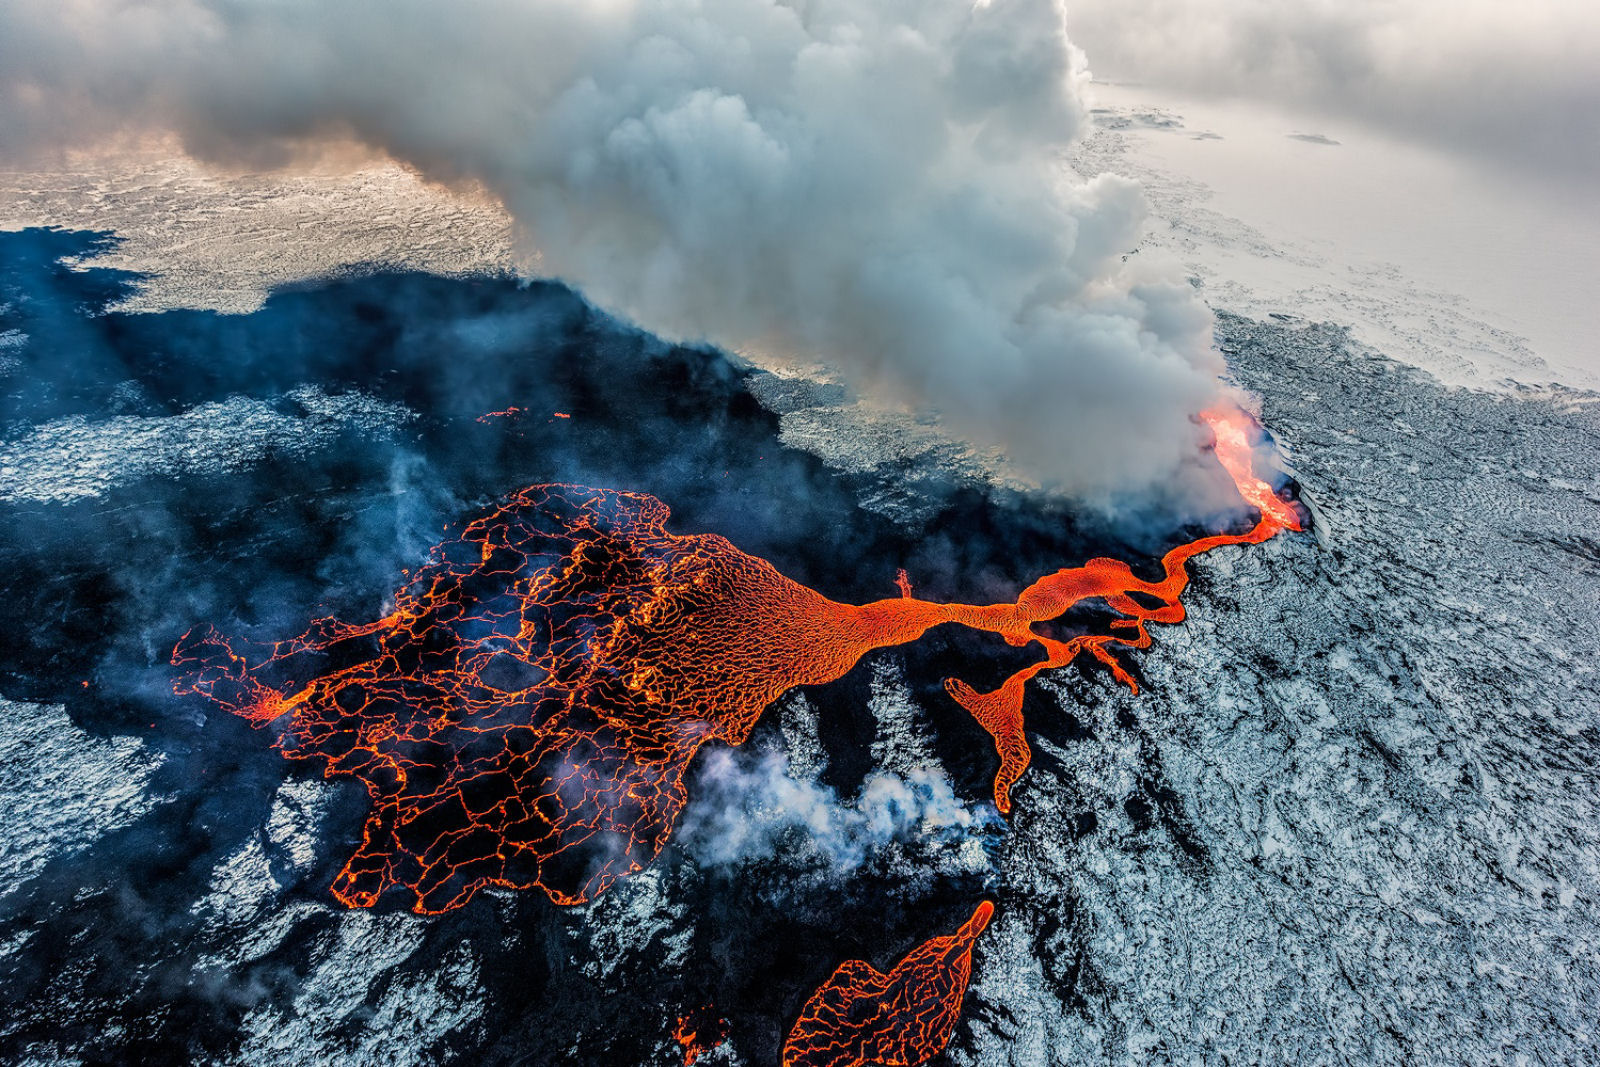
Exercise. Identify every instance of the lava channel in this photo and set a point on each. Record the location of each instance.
(861, 1015)
(525, 715)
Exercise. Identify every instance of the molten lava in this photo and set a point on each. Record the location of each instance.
(1232, 430)
(700, 1031)
(861, 1015)
(525, 715)
(903, 582)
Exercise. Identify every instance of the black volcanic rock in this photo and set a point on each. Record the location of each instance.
(1351, 819)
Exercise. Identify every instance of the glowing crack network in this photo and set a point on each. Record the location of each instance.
(698, 1032)
(861, 1015)
(525, 715)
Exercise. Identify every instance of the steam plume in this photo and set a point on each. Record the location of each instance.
(877, 184)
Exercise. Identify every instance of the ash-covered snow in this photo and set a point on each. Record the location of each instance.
(1353, 819)
(61, 787)
(354, 1008)
(274, 858)
(901, 453)
(76, 457)
(801, 741)
(1468, 273)
(750, 807)
(213, 241)
(359, 994)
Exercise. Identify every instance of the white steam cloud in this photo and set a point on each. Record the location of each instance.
(1514, 82)
(744, 810)
(875, 184)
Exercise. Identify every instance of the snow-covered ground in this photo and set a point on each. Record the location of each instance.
(1434, 260)
(1352, 819)
(221, 242)
(1356, 817)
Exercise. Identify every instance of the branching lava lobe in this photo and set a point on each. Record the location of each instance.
(525, 715)
(861, 1016)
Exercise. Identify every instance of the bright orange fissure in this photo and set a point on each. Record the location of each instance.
(861, 1016)
(525, 715)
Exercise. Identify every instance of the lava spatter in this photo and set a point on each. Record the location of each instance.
(862, 1016)
(525, 715)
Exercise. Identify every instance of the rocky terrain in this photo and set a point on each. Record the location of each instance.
(1350, 820)
(1353, 820)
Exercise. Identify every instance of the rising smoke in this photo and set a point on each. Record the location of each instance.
(874, 184)
(745, 808)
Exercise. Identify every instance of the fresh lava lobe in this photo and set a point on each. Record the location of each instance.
(700, 1031)
(525, 715)
(861, 1016)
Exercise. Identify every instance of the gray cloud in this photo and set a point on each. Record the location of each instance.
(875, 184)
(1517, 83)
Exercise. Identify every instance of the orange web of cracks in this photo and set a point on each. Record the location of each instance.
(861, 1016)
(525, 715)
(700, 1031)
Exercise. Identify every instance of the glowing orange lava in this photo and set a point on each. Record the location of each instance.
(525, 715)
(861, 1015)
(1232, 430)
(700, 1031)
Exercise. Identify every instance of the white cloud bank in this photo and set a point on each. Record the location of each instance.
(1514, 81)
(875, 184)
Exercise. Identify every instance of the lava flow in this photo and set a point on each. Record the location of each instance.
(861, 1015)
(700, 1031)
(525, 715)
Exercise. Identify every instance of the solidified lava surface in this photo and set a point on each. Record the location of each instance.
(525, 715)
(1344, 712)
(861, 1015)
